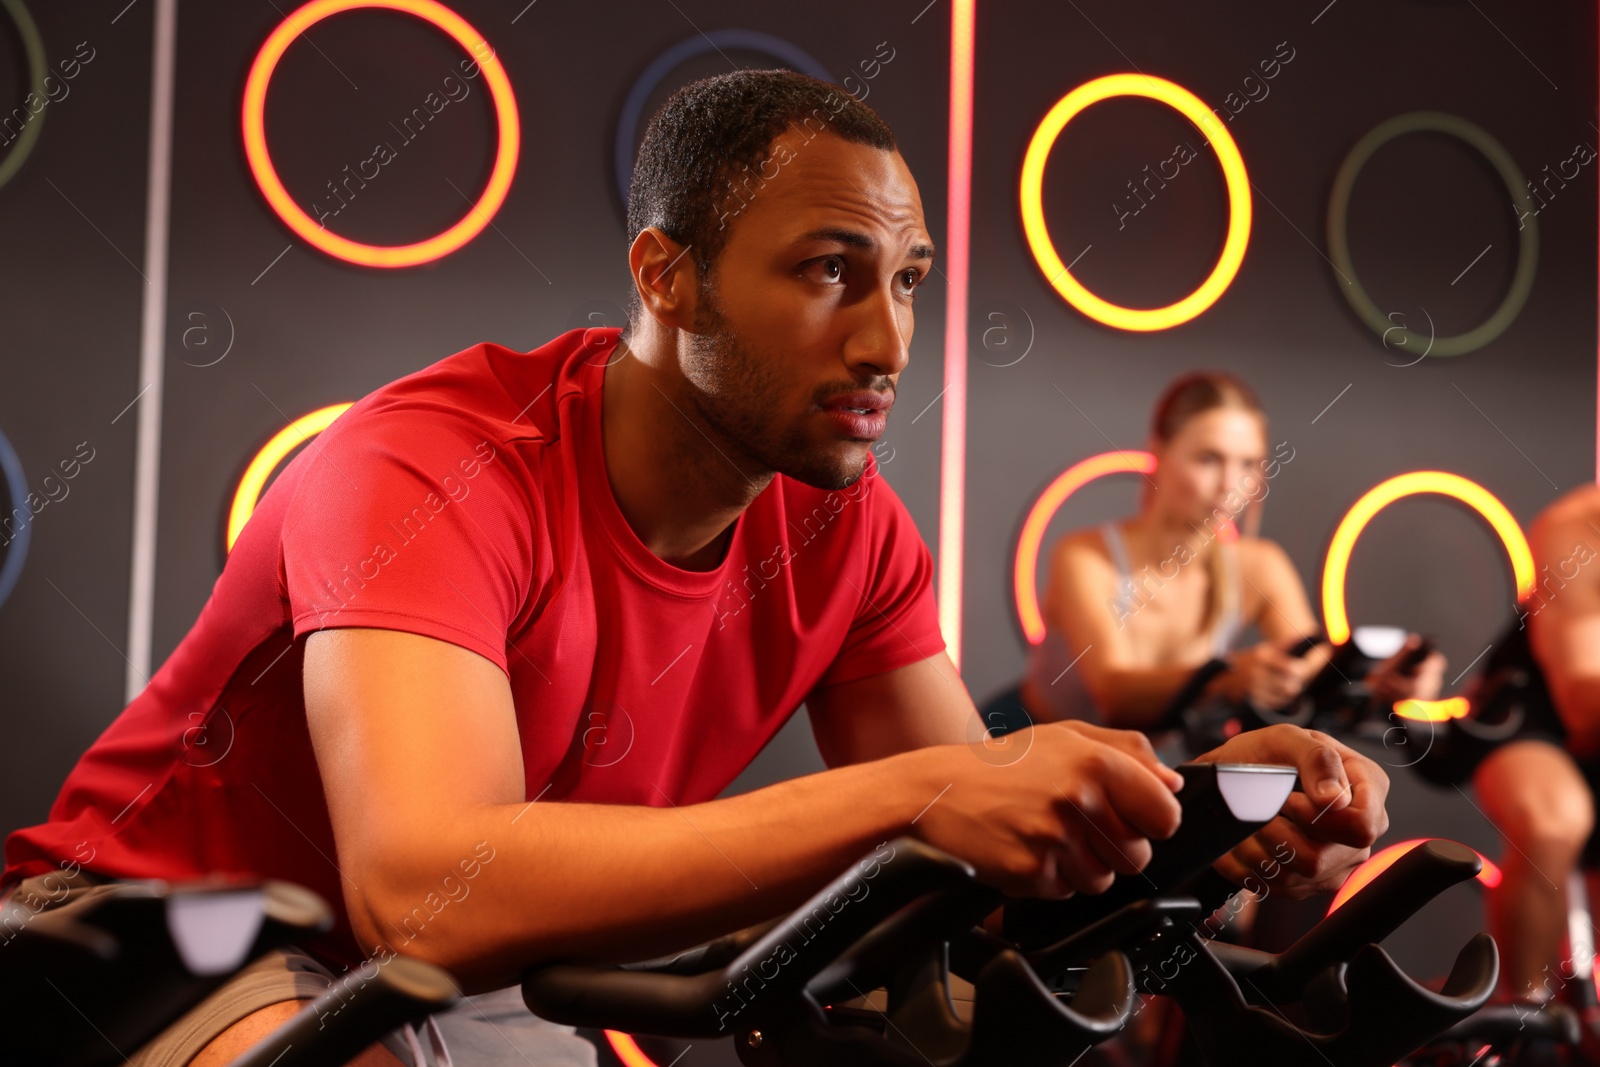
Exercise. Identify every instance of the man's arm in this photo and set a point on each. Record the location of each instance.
(417, 743)
(912, 707)
(418, 747)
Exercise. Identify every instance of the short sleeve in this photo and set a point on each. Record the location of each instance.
(897, 621)
(410, 520)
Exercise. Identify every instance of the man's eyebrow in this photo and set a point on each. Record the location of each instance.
(856, 239)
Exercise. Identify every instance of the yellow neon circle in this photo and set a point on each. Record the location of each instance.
(266, 461)
(1044, 250)
(260, 160)
(1385, 493)
(1433, 710)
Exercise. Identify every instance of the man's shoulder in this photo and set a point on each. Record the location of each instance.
(487, 391)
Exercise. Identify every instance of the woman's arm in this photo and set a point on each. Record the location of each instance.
(1081, 604)
(1273, 598)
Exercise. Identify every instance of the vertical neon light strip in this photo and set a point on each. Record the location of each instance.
(953, 446)
(152, 348)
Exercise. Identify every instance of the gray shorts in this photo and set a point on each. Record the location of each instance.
(488, 1029)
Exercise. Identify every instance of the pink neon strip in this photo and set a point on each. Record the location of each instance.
(953, 442)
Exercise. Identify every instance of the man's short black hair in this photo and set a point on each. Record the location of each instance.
(703, 151)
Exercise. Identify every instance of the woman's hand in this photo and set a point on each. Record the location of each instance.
(1389, 685)
(1267, 676)
(1324, 831)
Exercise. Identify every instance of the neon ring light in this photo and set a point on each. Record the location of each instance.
(1044, 249)
(1363, 875)
(312, 232)
(1044, 509)
(1380, 496)
(16, 493)
(1433, 710)
(1339, 237)
(33, 47)
(628, 1050)
(633, 107)
(266, 461)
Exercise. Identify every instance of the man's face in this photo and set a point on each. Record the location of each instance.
(808, 310)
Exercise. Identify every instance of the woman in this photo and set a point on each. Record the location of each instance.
(1140, 611)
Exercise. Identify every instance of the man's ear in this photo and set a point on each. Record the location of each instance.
(666, 277)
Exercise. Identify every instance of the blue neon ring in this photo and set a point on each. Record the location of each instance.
(17, 492)
(688, 48)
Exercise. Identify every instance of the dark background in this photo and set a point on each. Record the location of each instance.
(302, 330)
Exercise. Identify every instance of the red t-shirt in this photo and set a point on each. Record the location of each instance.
(469, 502)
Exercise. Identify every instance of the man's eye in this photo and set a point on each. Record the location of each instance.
(912, 279)
(829, 269)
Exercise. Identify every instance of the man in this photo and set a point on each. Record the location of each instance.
(1538, 788)
(495, 641)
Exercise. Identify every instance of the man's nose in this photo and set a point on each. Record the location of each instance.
(878, 342)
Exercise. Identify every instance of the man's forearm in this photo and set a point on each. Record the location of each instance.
(613, 882)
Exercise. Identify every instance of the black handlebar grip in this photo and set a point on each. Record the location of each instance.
(355, 1012)
(1301, 647)
(774, 968)
(1371, 915)
(1219, 811)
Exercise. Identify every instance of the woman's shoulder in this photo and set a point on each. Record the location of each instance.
(1082, 551)
(1261, 555)
(1087, 540)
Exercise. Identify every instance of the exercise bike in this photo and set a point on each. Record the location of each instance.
(890, 965)
(86, 985)
(1507, 701)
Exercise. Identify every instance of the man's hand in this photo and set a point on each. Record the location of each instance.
(1324, 832)
(1076, 809)
(1389, 685)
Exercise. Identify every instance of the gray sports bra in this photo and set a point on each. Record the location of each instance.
(1050, 662)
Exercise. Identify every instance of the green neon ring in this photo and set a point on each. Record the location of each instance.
(33, 45)
(1339, 241)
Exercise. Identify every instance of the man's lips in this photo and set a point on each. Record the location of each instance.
(865, 401)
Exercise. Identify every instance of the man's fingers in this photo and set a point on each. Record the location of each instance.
(1114, 842)
(1134, 744)
(1321, 767)
(1076, 868)
(1143, 800)
(1280, 858)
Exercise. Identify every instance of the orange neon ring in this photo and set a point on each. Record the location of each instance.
(1337, 564)
(255, 137)
(266, 461)
(1044, 509)
(1075, 477)
(1363, 875)
(628, 1050)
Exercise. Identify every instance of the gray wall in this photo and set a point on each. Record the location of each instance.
(1517, 416)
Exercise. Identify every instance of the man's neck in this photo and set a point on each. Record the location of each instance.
(678, 481)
